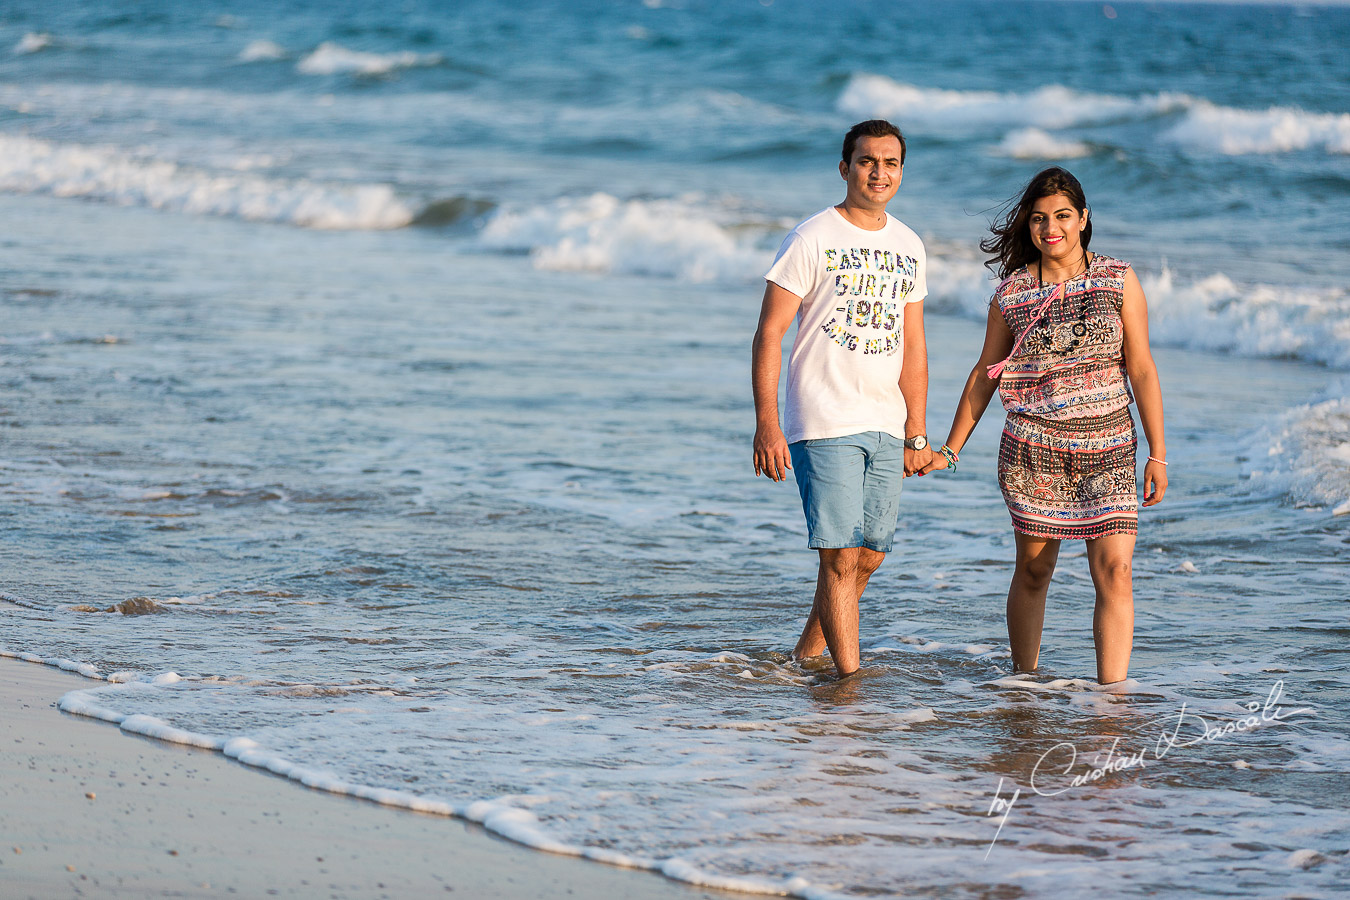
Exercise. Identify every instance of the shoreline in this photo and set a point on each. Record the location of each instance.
(86, 808)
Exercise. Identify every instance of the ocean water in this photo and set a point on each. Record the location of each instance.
(375, 409)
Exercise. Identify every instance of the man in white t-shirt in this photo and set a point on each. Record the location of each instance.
(854, 278)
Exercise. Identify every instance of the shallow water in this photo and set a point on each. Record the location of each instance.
(464, 513)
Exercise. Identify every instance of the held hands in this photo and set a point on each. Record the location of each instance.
(937, 462)
(918, 461)
(943, 458)
(1155, 482)
(771, 452)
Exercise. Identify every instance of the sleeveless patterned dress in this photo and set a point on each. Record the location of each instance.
(1067, 456)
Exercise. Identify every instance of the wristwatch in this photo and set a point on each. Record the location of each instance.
(918, 442)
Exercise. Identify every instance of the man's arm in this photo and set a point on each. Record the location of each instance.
(766, 360)
(914, 386)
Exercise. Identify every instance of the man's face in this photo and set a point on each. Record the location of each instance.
(873, 175)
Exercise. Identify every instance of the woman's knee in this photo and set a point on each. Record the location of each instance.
(1035, 572)
(1114, 573)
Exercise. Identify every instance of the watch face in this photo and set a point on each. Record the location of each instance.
(917, 443)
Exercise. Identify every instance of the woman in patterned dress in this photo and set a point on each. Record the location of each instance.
(1071, 328)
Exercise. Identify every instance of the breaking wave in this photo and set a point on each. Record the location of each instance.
(33, 42)
(1241, 132)
(262, 51)
(1308, 457)
(671, 238)
(1033, 143)
(1215, 313)
(32, 166)
(1053, 106)
(1190, 123)
(334, 59)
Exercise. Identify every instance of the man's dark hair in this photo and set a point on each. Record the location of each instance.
(871, 128)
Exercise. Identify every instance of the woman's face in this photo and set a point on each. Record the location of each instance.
(1057, 227)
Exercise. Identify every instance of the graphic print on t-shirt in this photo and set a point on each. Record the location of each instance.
(872, 286)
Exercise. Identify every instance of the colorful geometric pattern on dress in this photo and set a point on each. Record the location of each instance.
(1072, 479)
(1070, 365)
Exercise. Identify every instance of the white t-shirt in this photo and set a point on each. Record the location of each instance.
(844, 370)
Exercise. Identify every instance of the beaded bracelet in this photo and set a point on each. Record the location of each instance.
(951, 456)
(1156, 460)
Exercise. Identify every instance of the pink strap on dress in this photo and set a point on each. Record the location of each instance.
(997, 368)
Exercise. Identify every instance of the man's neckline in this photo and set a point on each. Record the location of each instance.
(852, 224)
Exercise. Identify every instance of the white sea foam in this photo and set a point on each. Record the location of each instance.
(505, 818)
(687, 239)
(1237, 132)
(1204, 127)
(1033, 143)
(1308, 454)
(32, 166)
(334, 59)
(672, 238)
(913, 643)
(1215, 313)
(1212, 313)
(1052, 106)
(958, 284)
(56, 662)
(32, 42)
(261, 51)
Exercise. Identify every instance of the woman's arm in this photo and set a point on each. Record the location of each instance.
(979, 389)
(1143, 375)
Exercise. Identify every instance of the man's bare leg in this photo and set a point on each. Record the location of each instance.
(829, 582)
(812, 640)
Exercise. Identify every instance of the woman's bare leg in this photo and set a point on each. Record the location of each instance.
(1036, 558)
(1109, 559)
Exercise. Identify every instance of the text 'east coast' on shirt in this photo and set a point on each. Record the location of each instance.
(844, 369)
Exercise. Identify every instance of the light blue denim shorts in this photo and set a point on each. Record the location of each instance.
(850, 489)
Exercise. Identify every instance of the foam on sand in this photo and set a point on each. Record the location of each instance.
(31, 166)
(75, 782)
(500, 816)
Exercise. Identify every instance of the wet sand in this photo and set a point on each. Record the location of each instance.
(87, 810)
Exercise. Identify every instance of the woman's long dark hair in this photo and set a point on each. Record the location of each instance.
(1010, 241)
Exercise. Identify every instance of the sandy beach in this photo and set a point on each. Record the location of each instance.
(87, 810)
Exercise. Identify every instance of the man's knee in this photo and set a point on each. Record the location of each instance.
(840, 563)
(869, 560)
